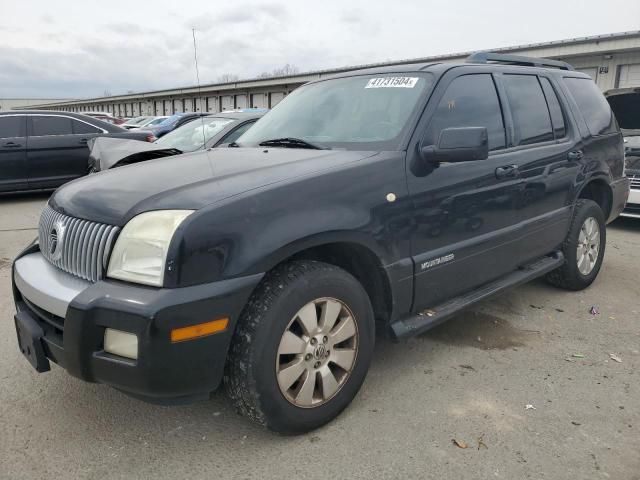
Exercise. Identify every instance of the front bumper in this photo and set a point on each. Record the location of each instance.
(632, 208)
(74, 314)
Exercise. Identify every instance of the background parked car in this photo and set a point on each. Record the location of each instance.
(105, 117)
(152, 121)
(208, 132)
(44, 149)
(171, 123)
(136, 122)
(625, 103)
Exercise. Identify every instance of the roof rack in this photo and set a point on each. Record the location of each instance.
(489, 57)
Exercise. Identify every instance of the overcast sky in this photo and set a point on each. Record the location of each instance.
(69, 48)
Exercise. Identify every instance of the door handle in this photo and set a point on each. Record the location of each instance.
(11, 145)
(83, 141)
(575, 155)
(508, 171)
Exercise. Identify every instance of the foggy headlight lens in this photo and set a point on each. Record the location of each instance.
(141, 249)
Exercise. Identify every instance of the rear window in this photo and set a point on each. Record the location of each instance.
(11, 127)
(42, 126)
(529, 109)
(84, 128)
(592, 105)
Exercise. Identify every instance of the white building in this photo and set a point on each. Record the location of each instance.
(612, 60)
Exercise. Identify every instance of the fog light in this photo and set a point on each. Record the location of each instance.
(121, 343)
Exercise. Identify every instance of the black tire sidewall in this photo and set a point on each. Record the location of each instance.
(587, 209)
(279, 413)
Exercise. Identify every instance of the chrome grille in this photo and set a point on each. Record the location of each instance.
(85, 245)
(635, 182)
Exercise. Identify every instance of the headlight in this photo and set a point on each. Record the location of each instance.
(140, 252)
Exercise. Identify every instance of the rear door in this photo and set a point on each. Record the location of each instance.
(13, 157)
(544, 152)
(57, 149)
(463, 225)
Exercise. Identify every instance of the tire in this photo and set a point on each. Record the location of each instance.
(569, 276)
(258, 355)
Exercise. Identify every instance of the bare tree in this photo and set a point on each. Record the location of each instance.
(283, 71)
(228, 78)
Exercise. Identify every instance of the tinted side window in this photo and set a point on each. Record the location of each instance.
(470, 101)
(529, 109)
(11, 127)
(81, 127)
(235, 135)
(557, 117)
(592, 105)
(50, 126)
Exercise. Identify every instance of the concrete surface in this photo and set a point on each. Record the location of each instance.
(469, 380)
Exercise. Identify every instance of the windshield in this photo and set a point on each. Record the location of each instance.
(189, 137)
(364, 112)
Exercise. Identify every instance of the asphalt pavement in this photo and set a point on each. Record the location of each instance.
(530, 382)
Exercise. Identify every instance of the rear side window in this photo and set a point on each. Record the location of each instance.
(81, 127)
(592, 105)
(557, 117)
(11, 126)
(470, 101)
(529, 109)
(41, 126)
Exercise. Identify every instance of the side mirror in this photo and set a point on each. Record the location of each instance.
(464, 144)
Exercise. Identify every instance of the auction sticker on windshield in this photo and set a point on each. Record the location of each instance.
(392, 82)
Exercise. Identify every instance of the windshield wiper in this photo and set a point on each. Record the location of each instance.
(290, 142)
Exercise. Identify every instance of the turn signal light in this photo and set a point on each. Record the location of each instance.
(200, 330)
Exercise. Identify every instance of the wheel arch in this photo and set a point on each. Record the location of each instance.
(598, 190)
(355, 255)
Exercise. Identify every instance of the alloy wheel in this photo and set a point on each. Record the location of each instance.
(317, 352)
(588, 246)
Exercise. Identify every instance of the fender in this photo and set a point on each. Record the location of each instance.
(255, 231)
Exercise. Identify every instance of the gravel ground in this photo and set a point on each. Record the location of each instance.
(469, 380)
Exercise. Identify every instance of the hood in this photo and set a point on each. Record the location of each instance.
(189, 181)
(105, 152)
(625, 103)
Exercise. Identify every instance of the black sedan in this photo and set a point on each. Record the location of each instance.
(211, 131)
(41, 150)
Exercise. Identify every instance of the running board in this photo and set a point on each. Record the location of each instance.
(427, 319)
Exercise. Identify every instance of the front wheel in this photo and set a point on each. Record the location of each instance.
(583, 248)
(302, 347)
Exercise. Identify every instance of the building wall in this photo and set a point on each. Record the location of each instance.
(611, 60)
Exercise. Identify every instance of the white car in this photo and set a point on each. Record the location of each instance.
(625, 103)
(137, 122)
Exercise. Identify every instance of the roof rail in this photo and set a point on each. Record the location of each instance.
(489, 57)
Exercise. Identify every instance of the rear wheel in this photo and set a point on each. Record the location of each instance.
(302, 347)
(583, 248)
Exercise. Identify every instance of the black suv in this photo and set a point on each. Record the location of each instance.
(41, 150)
(390, 198)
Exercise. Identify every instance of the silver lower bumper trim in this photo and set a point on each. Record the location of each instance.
(45, 285)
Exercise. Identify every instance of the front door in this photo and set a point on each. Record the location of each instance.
(57, 149)
(462, 211)
(13, 147)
